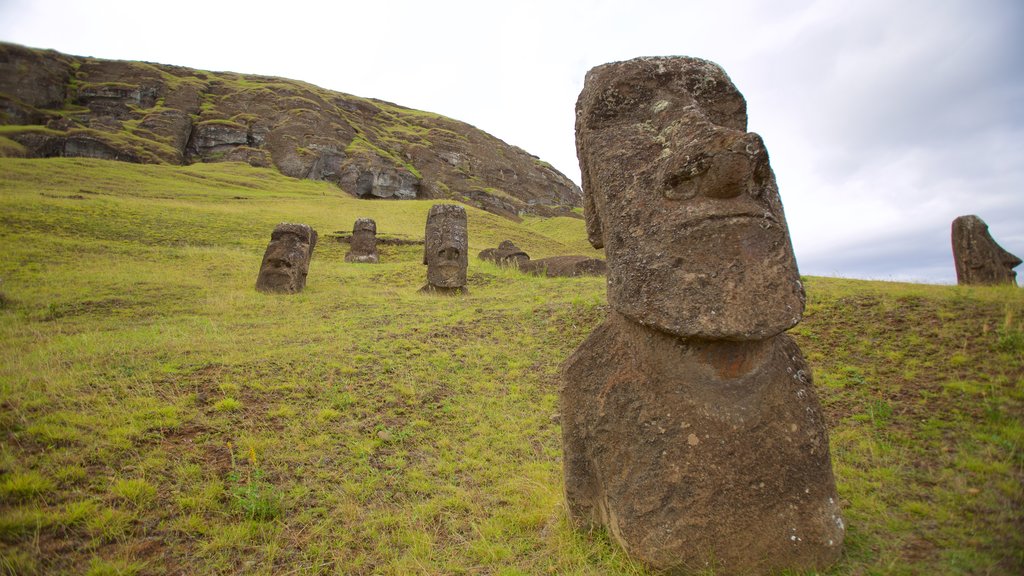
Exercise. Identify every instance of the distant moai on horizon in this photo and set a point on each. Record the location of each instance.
(690, 426)
(977, 257)
(363, 244)
(286, 261)
(446, 249)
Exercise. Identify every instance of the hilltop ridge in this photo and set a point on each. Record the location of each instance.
(54, 104)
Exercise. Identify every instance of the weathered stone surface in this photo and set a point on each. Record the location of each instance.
(363, 242)
(566, 266)
(506, 254)
(155, 113)
(35, 78)
(369, 177)
(689, 423)
(977, 257)
(445, 249)
(698, 243)
(698, 451)
(286, 261)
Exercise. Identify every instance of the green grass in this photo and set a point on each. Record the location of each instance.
(160, 416)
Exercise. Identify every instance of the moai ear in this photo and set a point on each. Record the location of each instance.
(595, 233)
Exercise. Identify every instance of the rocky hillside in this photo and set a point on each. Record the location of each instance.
(52, 104)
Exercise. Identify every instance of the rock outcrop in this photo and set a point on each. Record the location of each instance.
(59, 105)
(286, 262)
(446, 250)
(363, 244)
(690, 426)
(977, 257)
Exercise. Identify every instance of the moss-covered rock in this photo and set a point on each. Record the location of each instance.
(155, 113)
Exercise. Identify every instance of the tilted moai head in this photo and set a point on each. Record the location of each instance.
(446, 245)
(684, 201)
(506, 254)
(286, 261)
(364, 242)
(977, 257)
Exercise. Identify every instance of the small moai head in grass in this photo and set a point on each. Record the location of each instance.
(363, 242)
(506, 254)
(684, 202)
(286, 261)
(446, 245)
(977, 257)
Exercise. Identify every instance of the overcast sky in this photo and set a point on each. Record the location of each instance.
(884, 119)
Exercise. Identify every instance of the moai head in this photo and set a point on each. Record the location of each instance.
(286, 261)
(684, 202)
(364, 242)
(446, 246)
(506, 254)
(977, 257)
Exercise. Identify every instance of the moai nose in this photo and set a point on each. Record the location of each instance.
(722, 175)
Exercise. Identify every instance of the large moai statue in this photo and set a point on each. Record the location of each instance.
(363, 245)
(445, 249)
(977, 257)
(286, 261)
(690, 426)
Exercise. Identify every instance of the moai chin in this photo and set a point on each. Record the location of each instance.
(363, 245)
(445, 249)
(286, 261)
(689, 422)
(977, 257)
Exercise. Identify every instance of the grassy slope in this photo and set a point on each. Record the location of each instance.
(157, 415)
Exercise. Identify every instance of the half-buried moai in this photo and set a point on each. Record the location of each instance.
(977, 257)
(445, 249)
(286, 261)
(506, 254)
(689, 422)
(363, 245)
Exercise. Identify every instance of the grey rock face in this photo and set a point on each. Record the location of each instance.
(445, 251)
(977, 257)
(370, 179)
(286, 261)
(363, 243)
(690, 425)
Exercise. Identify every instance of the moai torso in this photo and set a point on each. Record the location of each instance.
(445, 249)
(286, 261)
(977, 257)
(690, 426)
(363, 245)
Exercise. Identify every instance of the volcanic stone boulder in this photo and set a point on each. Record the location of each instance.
(506, 254)
(364, 242)
(690, 425)
(565, 266)
(286, 261)
(445, 249)
(977, 257)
